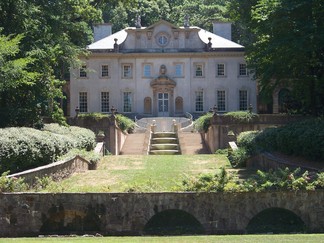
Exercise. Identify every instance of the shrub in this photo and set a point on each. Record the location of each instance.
(24, 148)
(241, 116)
(94, 115)
(247, 140)
(125, 123)
(238, 157)
(11, 184)
(203, 122)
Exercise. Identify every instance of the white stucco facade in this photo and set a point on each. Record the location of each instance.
(162, 70)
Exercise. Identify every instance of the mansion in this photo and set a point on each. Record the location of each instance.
(162, 70)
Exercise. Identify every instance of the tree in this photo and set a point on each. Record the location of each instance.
(55, 34)
(287, 48)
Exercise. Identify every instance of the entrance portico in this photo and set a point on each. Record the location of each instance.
(163, 94)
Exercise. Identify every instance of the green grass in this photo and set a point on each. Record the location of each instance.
(156, 173)
(298, 238)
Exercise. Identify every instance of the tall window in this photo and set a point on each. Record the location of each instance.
(242, 69)
(83, 102)
(104, 101)
(147, 70)
(127, 107)
(104, 71)
(220, 69)
(199, 101)
(83, 71)
(221, 100)
(127, 71)
(243, 100)
(179, 70)
(199, 70)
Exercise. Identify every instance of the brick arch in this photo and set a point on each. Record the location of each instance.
(173, 222)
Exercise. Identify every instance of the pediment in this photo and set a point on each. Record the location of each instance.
(162, 22)
(163, 80)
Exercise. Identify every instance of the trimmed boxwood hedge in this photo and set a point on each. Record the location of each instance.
(304, 138)
(23, 148)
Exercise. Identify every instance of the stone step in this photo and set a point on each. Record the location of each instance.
(165, 152)
(164, 146)
(164, 140)
(134, 144)
(164, 135)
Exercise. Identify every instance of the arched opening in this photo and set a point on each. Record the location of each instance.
(284, 100)
(179, 105)
(275, 220)
(173, 222)
(147, 105)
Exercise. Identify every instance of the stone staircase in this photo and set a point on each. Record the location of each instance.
(134, 144)
(164, 143)
(192, 143)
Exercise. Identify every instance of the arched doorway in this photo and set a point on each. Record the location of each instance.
(179, 105)
(173, 222)
(147, 105)
(275, 220)
(284, 100)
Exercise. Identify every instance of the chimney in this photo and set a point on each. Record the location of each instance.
(101, 31)
(223, 29)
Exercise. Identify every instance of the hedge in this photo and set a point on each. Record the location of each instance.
(24, 148)
(304, 138)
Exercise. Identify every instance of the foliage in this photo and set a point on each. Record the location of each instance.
(285, 47)
(11, 184)
(239, 157)
(125, 123)
(91, 156)
(203, 122)
(24, 148)
(303, 138)
(280, 179)
(221, 151)
(94, 115)
(241, 116)
(52, 34)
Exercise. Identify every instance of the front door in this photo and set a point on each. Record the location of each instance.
(163, 104)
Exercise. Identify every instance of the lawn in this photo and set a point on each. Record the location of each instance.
(156, 173)
(297, 238)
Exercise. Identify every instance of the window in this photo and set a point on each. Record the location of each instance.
(199, 70)
(104, 71)
(104, 101)
(127, 107)
(242, 69)
(243, 100)
(147, 70)
(220, 69)
(83, 71)
(127, 71)
(221, 100)
(199, 101)
(179, 70)
(162, 39)
(83, 102)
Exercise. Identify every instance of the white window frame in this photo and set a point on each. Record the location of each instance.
(242, 70)
(83, 71)
(105, 73)
(147, 73)
(221, 98)
(199, 67)
(128, 103)
(179, 70)
(83, 102)
(127, 74)
(243, 100)
(104, 101)
(220, 72)
(199, 101)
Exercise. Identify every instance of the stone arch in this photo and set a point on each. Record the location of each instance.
(147, 105)
(173, 222)
(276, 220)
(283, 100)
(179, 105)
